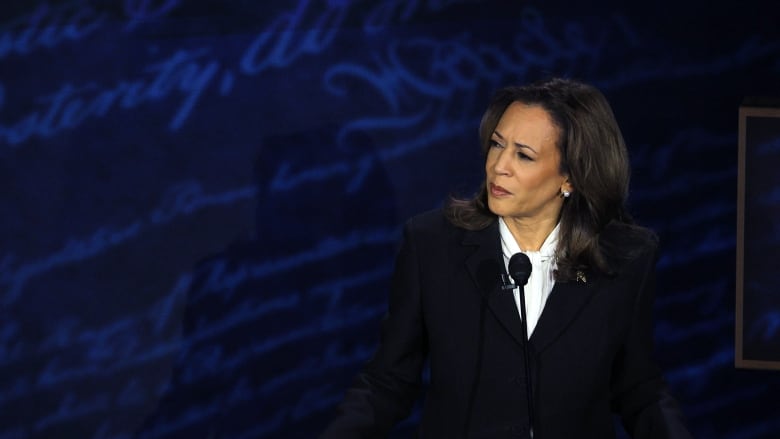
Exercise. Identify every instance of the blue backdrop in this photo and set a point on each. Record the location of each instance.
(201, 200)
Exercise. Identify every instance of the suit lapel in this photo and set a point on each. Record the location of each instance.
(564, 304)
(485, 265)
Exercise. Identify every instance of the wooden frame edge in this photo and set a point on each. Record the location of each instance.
(739, 360)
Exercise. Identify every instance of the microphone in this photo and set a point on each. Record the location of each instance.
(520, 270)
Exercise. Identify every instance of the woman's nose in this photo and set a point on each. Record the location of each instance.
(501, 163)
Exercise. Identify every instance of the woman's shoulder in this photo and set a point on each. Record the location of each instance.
(429, 222)
(622, 242)
(436, 225)
(628, 234)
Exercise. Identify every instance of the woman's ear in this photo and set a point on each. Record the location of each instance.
(566, 188)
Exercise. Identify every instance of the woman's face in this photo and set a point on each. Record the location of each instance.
(523, 166)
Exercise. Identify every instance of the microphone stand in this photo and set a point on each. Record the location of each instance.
(529, 390)
(520, 270)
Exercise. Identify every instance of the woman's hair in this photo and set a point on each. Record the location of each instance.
(593, 156)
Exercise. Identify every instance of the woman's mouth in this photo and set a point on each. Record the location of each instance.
(498, 191)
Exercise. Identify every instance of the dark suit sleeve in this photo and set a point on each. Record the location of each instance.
(639, 392)
(385, 391)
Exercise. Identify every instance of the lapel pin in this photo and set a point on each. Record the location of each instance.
(581, 277)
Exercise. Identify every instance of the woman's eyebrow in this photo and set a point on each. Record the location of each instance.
(517, 144)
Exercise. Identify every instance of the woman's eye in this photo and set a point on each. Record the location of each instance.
(523, 156)
(495, 144)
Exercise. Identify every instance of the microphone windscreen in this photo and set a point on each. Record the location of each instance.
(520, 268)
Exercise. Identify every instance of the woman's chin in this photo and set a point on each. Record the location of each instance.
(496, 207)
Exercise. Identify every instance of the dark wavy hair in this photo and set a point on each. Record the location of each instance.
(593, 155)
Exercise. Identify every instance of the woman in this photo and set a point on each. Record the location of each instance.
(557, 175)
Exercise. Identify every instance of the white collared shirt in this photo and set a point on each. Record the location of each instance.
(541, 281)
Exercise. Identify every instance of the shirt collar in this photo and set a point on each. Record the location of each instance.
(509, 246)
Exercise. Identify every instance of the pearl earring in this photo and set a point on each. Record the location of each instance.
(565, 194)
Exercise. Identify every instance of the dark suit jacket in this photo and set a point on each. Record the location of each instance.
(589, 353)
